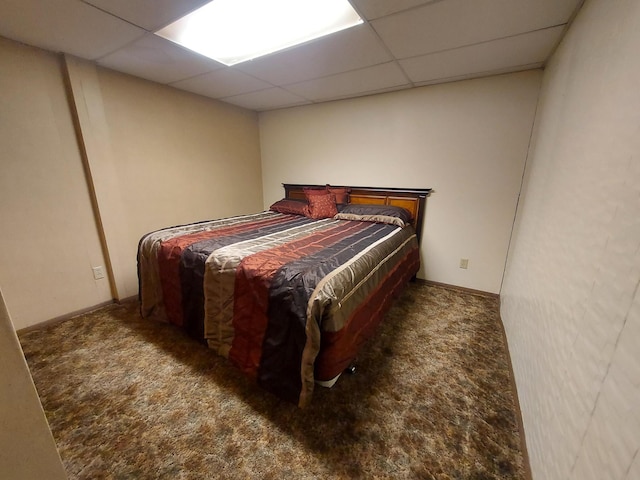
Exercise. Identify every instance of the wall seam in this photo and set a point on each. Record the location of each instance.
(524, 172)
(77, 126)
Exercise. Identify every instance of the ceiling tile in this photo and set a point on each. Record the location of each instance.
(356, 82)
(349, 49)
(268, 99)
(498, 55)
(160, 60)
(225, 82)
(148, 14)
(454, 23)
(404, 43)
(379, 8)
(65, 26)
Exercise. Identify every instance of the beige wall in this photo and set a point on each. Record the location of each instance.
(570, 301)
(48, 240)
(467, 140)
(156, 157)
(27, 448)
(171, 157)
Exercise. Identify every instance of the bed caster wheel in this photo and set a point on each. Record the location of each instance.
(351, 369)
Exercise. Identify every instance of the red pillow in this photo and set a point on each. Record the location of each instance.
(295, 207)
(308, 191)
(322, 206)
(341, 194)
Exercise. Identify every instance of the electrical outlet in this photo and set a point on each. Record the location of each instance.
(98, 273)
(464, 263)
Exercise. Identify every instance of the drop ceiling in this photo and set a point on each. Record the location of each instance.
(401, 44)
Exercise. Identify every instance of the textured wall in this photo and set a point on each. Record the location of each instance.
(467, 140)
(570, 299)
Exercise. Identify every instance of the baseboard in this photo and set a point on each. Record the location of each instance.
(133, 298)
(461, 289)
(512, 378)
(64, 317)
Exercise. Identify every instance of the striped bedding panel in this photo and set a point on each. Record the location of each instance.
(287, 299)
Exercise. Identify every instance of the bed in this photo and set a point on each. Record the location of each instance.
(288, 295)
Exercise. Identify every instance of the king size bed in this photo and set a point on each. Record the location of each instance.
(291, 294)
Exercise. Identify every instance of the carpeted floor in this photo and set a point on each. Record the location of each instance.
(431, 398)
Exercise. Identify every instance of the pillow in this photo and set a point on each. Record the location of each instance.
(322, 206)
(308, 191)
(295, 207)
(376, 213)
(341, 194)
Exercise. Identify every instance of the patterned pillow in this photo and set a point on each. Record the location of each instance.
(322, 206)
(295, 207)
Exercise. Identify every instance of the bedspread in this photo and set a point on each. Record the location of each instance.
(287, 299)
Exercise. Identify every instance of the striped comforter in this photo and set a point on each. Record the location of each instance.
(287, 299)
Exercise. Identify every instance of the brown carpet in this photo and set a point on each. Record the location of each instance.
(431, 398)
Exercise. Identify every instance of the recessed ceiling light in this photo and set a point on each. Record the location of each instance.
(233, 31)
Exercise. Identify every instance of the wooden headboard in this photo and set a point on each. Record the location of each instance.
(413, 199)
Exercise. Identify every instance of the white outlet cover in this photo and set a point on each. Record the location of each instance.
(98, 273)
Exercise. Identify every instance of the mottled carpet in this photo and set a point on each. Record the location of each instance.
(431, 398)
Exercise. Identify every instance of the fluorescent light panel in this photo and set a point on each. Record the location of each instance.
(234, 31)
